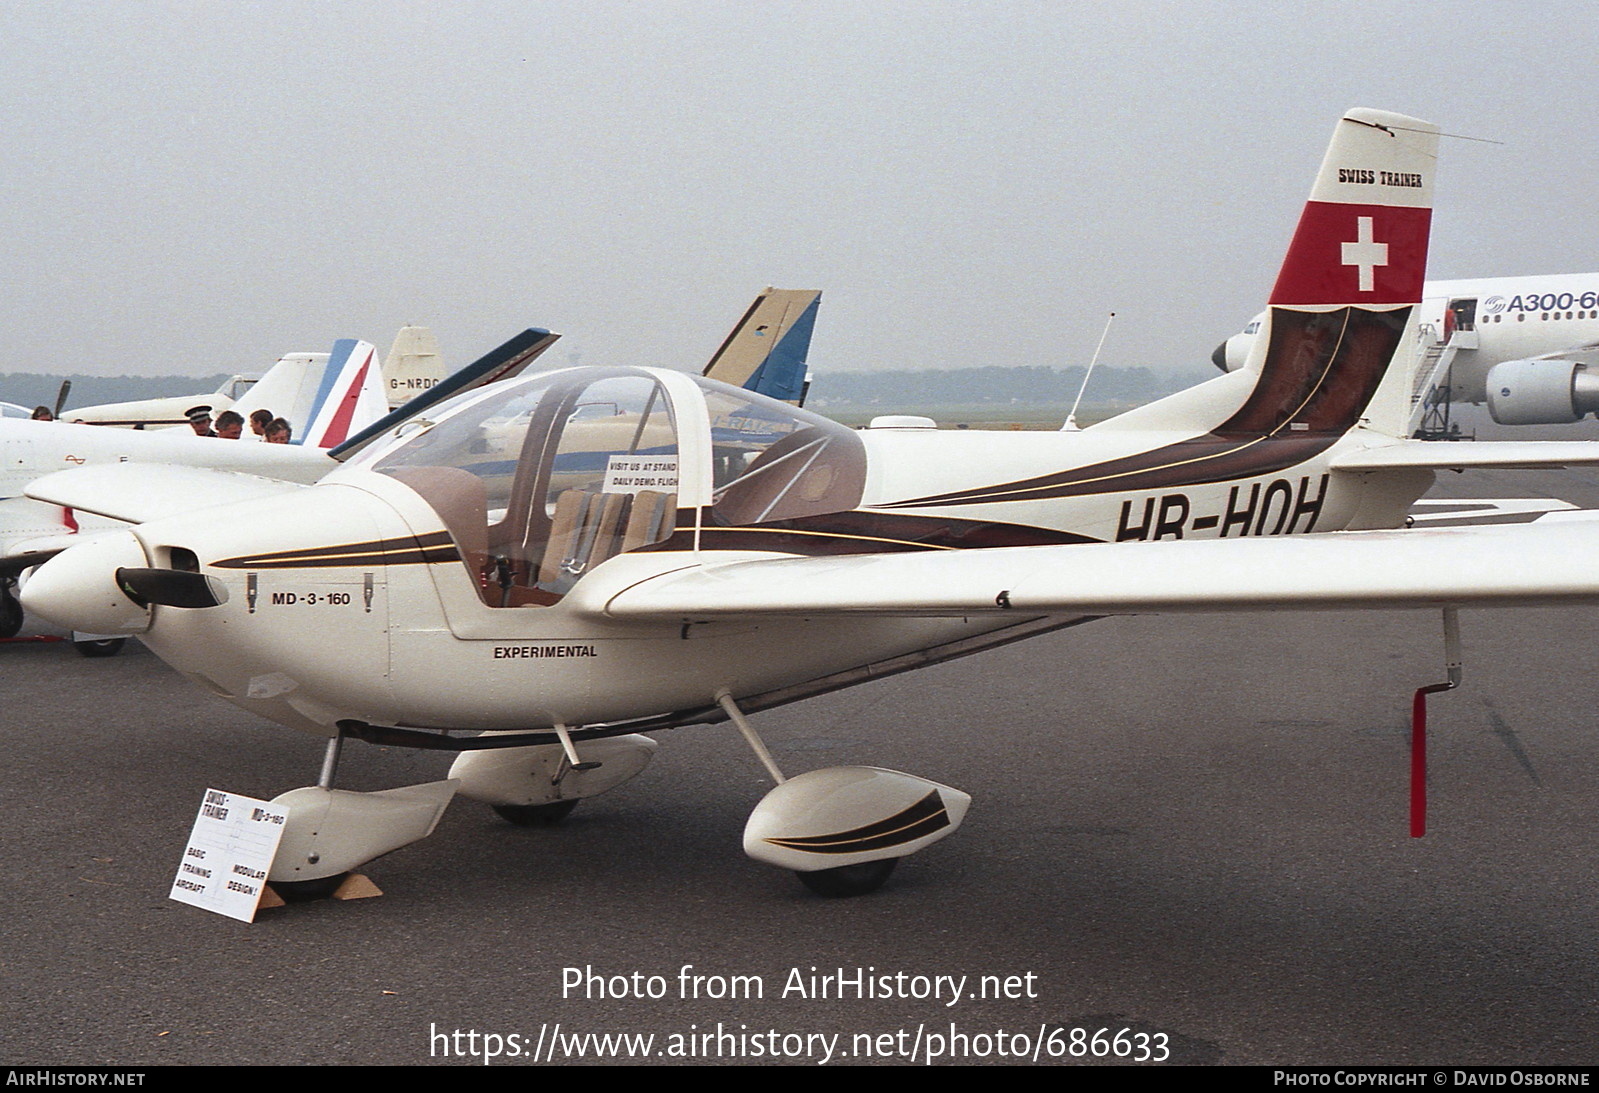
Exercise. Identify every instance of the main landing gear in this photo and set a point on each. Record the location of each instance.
(842, 830)
(10, 608)
(539, 785)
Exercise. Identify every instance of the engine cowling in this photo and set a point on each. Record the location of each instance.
(1541, 392)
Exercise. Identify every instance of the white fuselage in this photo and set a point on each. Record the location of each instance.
(333, 608)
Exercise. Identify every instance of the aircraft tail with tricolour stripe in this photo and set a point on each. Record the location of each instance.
(325, 397)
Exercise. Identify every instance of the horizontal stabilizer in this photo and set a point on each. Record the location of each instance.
(1444, 455)
(1494, 566)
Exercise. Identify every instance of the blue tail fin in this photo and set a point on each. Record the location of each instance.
(766, 351)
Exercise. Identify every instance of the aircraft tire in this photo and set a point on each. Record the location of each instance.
(536, 815)
(105, 647)
(844, 881)
(10, 614)
(304, 891)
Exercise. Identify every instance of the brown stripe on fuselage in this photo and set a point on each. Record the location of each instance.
(859, 532)
(419, 550)
(1321, 372)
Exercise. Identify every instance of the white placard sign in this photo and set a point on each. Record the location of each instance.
(224, 867)
(633, 473)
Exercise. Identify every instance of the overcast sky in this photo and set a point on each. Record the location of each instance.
(200, 187)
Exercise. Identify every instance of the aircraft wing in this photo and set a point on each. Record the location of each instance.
(140, 492)
(1584, 352)
(19, 554)
(1459, 455)
(1489, 566)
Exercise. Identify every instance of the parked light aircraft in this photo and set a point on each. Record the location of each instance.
(331, 398)
(564, 562)
(1522, 344)
(412, 366)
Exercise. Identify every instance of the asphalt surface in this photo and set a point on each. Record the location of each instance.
(1191, 829)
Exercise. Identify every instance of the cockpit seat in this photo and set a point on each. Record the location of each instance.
(588, 527)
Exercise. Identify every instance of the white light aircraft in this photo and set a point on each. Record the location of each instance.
(412, 366)
(1522, 344)
(537, 574)
(168, 412)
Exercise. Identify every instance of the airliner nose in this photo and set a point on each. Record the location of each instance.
(78, 587)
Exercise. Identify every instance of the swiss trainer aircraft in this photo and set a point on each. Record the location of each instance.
(538, 574)
(1524, 345)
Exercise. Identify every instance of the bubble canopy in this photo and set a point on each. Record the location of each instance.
(542, 478)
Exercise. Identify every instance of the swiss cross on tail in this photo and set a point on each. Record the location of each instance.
(1363, 237)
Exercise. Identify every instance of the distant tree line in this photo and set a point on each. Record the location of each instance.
(997, 385)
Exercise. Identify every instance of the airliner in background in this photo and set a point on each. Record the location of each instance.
(1524, 345)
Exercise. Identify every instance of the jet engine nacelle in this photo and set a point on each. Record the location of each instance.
(1541, 392)
(1231, 354)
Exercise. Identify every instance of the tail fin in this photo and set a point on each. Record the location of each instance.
(412, 366)
(325, 396)
(1347, 291)
(766, 351)
(502, 362)
(1334, 354)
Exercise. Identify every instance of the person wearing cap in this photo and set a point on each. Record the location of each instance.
(200, 420)
(229, 425)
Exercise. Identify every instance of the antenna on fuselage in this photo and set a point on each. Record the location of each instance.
(1071, 425)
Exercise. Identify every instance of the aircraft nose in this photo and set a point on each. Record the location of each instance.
(78, 588)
